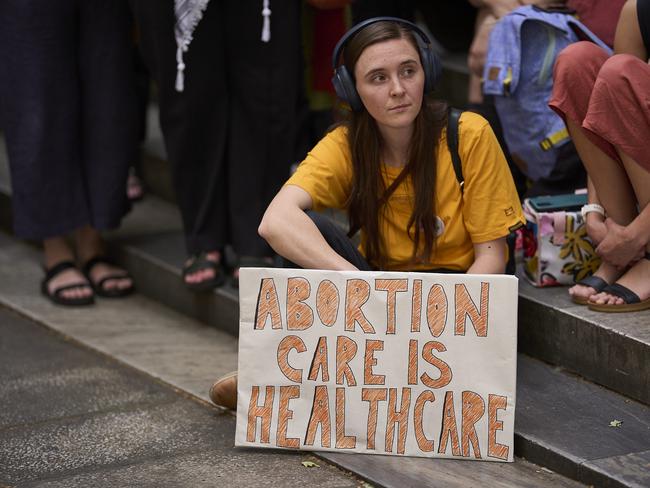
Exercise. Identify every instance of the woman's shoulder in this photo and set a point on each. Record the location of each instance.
(471, 122)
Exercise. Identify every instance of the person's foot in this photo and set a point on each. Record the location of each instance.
(581, 293)
(69, 283)
(636, 279)
(224, 391)
(107, 278)
(64, 285)
(203, 271)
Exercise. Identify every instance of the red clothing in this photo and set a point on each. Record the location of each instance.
(607, 96)
(600, 16)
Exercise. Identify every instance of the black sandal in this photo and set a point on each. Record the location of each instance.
(593, 281)
(200, 262)
(98, 286)
(56, 296)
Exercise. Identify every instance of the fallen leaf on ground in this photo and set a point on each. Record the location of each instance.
(616, 423)
(310, 464)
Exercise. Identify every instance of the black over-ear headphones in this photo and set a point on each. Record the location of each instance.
(343, 80)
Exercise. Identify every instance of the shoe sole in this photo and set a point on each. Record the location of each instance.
(626, 307)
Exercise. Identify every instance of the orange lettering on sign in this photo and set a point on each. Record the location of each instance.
(449, 426)
(369, 378)
(356, 294)
(425, 445)
(327, 302)
(392, 287)
(263, 412)
(397, 418)
(465, 306)
(267, 305)
(287, 393)
(373, 396)
(445, 371)
(299, 315)
(287, 344)
(496, 450)
(320, 416)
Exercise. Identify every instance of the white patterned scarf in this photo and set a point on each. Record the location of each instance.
(188, 14)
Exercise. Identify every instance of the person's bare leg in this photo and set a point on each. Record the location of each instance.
(637, 278)
(614, 191)
(57, 250)
(610, 179)
(89, 245)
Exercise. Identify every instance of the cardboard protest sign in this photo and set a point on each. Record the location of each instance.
(411, 364)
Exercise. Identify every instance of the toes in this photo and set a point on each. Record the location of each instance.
(200, 276)
(79, 292)
(581, 291)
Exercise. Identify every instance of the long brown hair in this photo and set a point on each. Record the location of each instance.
(365, 204)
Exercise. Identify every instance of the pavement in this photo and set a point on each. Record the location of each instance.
(72, 417)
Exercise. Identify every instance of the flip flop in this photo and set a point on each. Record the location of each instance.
(593, 281)
(632, 301)
(98, 286)
(199, 262)
(56, 296)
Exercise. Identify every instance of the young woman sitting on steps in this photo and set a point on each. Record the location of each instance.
(390, 168)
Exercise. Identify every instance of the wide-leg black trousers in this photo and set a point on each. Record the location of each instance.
(231, 134)
(67, 104)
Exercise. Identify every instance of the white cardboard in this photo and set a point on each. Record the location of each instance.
(464, 396)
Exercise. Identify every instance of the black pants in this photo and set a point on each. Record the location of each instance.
(231, 134)
(338, 240)
(67, 103)
(344, 247)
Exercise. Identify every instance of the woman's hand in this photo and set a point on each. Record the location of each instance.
(596, 228)
(621, 246)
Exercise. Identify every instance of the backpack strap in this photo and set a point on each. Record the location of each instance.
(453, 120)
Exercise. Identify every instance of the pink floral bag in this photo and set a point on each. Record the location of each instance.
(557, 249)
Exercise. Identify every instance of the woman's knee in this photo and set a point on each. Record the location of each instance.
(620, 70)
(578, 60)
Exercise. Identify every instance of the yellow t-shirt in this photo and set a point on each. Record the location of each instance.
(488, 209)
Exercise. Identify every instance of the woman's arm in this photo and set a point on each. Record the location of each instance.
(489, 257)
(293, 235)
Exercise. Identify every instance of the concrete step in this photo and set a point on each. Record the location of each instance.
(610, 349)
(188, 355)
